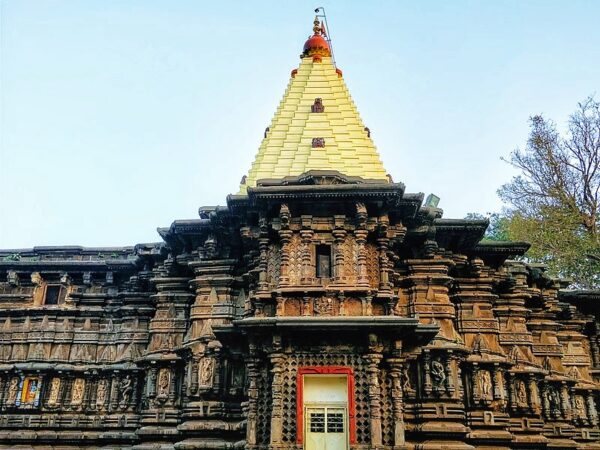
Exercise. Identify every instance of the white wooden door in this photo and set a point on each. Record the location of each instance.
(326, 427)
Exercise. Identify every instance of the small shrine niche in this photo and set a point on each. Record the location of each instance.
(318, 143)
(317, 106)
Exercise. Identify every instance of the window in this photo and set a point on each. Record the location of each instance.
(323, 261)
(52, 295)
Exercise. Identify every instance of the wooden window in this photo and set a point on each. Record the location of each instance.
(323, 261)
(53, 294)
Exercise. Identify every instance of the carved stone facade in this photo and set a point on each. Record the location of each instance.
(216, 337)
(199, 341)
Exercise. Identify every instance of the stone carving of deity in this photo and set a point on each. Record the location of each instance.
(101, 394)
(521, 393)
(323, 306)
(126, 389)
(77, 394)
(580, 407)
(485, 385)
(13, 389)
(438, 374)
(164, 382)
(205, 372)
(553, 401)
(54, 391)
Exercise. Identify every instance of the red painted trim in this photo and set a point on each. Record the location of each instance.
(324, 370)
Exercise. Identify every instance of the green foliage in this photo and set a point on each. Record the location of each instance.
(497, 230)
(554, 202)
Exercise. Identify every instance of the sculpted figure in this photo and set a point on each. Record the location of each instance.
(521, 393)
(485, 383)
(77, 394)
(101, 394)
(164, 381)
(126, 389)
(580, 407)
(438, 374)
(13, 388)
(206, 369)
(54, 391)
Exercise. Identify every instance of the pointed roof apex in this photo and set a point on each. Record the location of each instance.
(316, 126)
(316, 45)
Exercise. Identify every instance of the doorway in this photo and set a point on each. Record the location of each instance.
(326, 412)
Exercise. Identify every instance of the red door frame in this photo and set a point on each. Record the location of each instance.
(325, 370)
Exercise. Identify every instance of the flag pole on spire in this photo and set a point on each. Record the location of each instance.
(324, 30)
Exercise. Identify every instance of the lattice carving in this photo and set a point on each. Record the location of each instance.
(372, 262)
(273, 265)
(322, 357)
(295, 261)
(263, 410)
(387, 410)
(349, 251)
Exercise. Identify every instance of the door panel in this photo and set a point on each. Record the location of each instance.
(326, 428)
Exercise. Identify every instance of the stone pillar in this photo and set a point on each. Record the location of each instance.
(285, 236)
(427, 387)
(395, 363)
(339, 236)
(591, 409)
(534, 395)
(307, 266)
(277, 359)
(361, 240)
(263, 246)
(252, 364)
(373, 358)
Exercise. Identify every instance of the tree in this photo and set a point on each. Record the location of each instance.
(497, 230)
(554, 202)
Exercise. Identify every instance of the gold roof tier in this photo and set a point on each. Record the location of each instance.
(316, 126)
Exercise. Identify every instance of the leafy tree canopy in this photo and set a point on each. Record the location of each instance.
(554, 202)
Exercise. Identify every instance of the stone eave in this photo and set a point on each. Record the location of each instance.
(390, 193)
(389, 325)
(116, 265)
(497, 252)
(459, 234)
(180, 231)
(587, 301)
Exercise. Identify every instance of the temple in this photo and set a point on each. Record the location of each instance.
(323, 308)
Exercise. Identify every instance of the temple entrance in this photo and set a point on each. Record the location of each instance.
(326, 412)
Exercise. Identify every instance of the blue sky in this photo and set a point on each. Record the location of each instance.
(121, 116)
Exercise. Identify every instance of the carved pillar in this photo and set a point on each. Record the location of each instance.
(307, 266)
(564, 400)
(339, 236)
(397, 401)
(306, 305)
(534, 395)
(361, 240)
(476, 384)
(263, 246)
(498, 383)
(591, 409)
(277, 359)
(383, 244)
(285, 235)
(194, 376)
(373, 358)
(252, 364)
(448, 367)
(114, 391)
(427, 387)
(152, 382)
